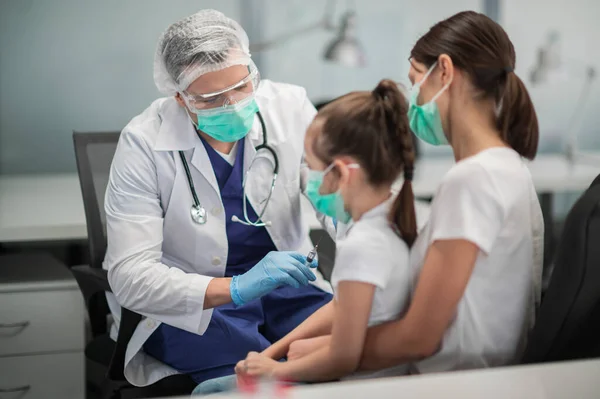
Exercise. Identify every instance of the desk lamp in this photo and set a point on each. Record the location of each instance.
(549, 64)
(344, 49)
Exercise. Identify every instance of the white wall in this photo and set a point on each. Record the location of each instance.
(528, 23)
(87, 65)
(387, 29)
(577, 21)
(77, 65)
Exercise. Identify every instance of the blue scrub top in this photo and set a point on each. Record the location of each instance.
(247, 244)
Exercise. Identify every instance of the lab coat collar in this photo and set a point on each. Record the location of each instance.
(176, 132)
(201, 161)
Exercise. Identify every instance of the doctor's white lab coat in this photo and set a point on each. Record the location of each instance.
(159, 261)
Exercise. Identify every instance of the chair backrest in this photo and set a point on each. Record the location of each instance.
(94, 153)
(568, 322)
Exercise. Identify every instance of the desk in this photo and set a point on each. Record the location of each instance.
(548, 381)
(58, 206)
(41, 208)
(551, 174)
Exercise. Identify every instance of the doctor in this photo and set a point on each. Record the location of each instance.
(203, 201)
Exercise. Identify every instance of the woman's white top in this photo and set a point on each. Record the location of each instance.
(488, 199)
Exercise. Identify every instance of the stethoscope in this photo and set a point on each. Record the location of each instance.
(198, 212)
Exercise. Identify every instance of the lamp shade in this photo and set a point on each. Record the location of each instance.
(345, 49)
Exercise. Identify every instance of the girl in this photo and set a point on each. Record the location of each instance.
(356, 147)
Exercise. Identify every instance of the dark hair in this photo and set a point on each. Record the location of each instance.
(480, 47)
(373, 128)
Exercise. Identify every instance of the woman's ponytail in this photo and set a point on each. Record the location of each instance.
(517, 119)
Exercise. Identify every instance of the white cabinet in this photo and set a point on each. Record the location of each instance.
(59, 375)
(41, 329)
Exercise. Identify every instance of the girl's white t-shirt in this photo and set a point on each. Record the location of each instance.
(488, 199)
(369, 251)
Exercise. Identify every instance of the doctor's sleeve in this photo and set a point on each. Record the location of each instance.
(468, 206)
(134, 224)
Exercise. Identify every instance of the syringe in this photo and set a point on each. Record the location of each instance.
(313, 253)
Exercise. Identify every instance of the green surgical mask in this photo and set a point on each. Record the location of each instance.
(229, 123)
(425, 120)
(332, 204)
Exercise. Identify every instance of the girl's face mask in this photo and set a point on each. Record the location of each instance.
(332, 204)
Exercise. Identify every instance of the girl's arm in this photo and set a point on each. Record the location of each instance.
(468, 225)
(342, 356)
(317, 324)
(442, 283)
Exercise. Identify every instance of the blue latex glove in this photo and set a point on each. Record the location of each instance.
(274, 270)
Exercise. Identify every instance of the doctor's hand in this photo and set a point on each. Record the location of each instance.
(275, 270)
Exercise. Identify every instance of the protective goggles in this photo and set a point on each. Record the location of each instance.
(227, 96)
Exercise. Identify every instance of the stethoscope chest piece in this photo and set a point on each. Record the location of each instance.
(198, 214)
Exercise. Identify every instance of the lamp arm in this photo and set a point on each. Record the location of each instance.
(577, 118)
(287, 36)
(325, 23)
(579, 69)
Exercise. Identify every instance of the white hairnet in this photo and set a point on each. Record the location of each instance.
(206, 41)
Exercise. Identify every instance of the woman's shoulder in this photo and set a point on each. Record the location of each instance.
(491, 163)
(493, 172)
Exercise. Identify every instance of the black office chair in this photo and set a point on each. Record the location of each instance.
(105, 358)
(568, 322)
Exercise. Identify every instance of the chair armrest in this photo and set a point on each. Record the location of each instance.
(127, 326)
(93, 284)
(91, 280)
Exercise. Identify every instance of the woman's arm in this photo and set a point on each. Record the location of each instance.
(442, 283)
(303, 347)
(317, 324)
(342, 356)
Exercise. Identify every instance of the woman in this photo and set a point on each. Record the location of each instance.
(477, 263)
(203, 201)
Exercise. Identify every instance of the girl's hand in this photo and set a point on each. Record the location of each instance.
(257, 365)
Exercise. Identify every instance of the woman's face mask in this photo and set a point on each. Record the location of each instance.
(332, 204)
(425, 120)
